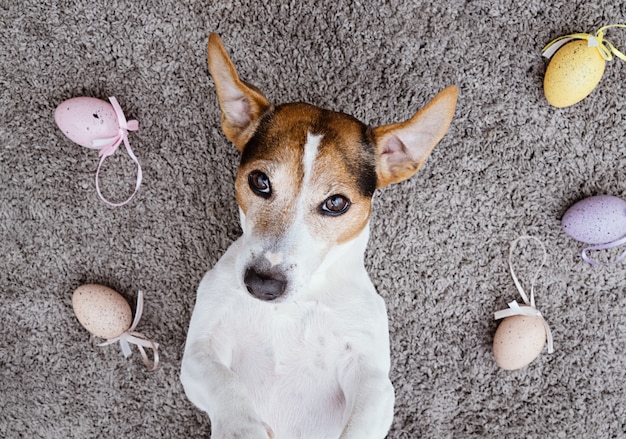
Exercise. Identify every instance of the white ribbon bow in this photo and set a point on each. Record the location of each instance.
(131, 337)
(529, 309)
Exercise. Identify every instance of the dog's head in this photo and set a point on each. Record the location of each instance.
(307, 175)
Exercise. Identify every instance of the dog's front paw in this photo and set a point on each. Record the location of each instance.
(250, 429)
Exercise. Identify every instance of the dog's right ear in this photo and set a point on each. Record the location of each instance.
(242, 104)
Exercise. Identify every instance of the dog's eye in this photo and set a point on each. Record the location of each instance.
(335, 205)
(260, 184)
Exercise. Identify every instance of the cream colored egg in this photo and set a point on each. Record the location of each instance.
(574, 71)
(518, 341)
(101, 310)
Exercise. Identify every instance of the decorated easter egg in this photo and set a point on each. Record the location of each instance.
(574, 71)
(518, 341)
(85, 119)
(101, 310)
(596, 220)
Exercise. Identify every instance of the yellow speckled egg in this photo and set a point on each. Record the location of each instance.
(518, 341)
(574, 71)
(101, 310)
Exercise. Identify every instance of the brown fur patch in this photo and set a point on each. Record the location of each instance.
(344, 165)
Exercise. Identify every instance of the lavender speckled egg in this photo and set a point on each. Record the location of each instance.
(596, 220)
(85, 119)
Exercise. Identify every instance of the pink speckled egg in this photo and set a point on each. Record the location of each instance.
(85, 119)
(101, 310)
(596, 220)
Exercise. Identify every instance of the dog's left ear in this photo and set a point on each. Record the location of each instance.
(241, 103)
(402, 148)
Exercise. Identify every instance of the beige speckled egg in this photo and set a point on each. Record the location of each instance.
(101, 310)
(574, 71)
(518, 341)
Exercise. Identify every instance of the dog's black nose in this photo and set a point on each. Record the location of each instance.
(265, 286)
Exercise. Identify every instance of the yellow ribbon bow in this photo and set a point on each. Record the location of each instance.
(605, 47)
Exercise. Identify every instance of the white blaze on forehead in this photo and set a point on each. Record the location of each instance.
(308, 160)
(303, 244)
(310, 153)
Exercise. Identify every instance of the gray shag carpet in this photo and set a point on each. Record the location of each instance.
(510, 165)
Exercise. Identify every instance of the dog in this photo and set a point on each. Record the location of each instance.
(288, 338)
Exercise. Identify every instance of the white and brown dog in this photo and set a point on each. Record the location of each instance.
(288, 338)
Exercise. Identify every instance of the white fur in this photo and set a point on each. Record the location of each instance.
(313, 368)
(310, 153)
(274, 258)
(314, 362)
(298, 250)
(312, 365)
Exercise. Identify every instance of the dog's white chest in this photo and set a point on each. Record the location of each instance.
(300, 364)
(287, 356)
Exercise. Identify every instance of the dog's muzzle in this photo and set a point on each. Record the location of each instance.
(266, 286)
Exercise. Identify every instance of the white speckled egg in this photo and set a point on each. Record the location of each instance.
(101, 310)
(518, 341)
(596, 220)
(84, 119)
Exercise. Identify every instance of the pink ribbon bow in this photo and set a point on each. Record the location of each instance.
(108, 146)
(131, 337)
